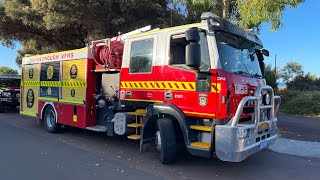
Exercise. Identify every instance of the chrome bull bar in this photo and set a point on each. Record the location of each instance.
(230, 147)
(258, 107)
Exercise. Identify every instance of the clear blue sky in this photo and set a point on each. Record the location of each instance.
(298, 40)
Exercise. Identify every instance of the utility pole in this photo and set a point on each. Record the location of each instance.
(275, 72)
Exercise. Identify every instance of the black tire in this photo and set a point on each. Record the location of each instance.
(49, 120)
(168, 141)
(1, 108)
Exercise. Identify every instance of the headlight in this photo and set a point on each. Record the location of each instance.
(6, 94)
(267, 99)
(242, 133)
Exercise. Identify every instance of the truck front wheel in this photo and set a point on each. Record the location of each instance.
(166, 140)
(49, 119)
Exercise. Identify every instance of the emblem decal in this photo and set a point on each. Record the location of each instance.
(30, 98)
(50, 72)
(31, 73)
(73, 71)
(73, 93)
(203, 99)
(49, 90)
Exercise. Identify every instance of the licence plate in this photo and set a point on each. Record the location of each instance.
(263, 144)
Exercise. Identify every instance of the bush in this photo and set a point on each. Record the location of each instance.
(300, 102)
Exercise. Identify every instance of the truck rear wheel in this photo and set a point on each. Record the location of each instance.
(49, 120)
(166, 140)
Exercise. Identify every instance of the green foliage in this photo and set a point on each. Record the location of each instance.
(300, 102)
(7, 70)
(43, 26)
(302, 96)
(270, 76)
(307, 82)
(249, 13)
(290, 71)
(255, 12)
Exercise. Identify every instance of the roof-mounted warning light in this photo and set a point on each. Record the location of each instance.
(211, 18)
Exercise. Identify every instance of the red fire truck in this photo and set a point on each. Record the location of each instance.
(9, 91)
(200, 84)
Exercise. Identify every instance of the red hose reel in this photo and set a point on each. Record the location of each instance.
(108, 56)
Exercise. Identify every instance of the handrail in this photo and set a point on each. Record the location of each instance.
(257, 99)
(236, 117)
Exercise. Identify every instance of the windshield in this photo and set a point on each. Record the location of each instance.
(237, 55)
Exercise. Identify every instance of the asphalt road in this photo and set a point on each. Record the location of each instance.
(299, 128)
(28, 152)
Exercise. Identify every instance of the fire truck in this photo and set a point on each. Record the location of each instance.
(200, 85)
(9, 91)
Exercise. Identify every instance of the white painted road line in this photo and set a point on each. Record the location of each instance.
(297, 148)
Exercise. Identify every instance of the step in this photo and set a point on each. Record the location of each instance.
(134, 125)
(201, 145)
(97, 128)
(134, 137)
(138, 112)
(201, 128)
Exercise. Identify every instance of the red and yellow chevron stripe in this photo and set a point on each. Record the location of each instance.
(165, 85)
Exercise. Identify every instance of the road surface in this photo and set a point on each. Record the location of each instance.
(28, 152)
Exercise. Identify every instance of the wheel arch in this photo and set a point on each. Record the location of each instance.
(155, 111)
(45, 106)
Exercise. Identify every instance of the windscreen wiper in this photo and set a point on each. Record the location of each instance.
(243, 73)
(257, 75)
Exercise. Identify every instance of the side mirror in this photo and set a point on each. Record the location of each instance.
(265, 52)
(193, 51)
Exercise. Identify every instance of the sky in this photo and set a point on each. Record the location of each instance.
(298, 40)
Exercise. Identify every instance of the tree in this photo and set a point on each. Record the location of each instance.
(43, 26)
(7, 70)
(249, 13)
(290, 71)
(306, 82)
(270, 76)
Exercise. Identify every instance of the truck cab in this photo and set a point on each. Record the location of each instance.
(9, 91)
(209, 78)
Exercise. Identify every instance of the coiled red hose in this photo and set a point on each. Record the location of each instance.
(108, 59)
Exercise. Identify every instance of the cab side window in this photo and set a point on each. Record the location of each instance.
(141, 56)
(178, 45)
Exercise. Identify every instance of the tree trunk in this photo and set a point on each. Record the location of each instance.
(225, 7)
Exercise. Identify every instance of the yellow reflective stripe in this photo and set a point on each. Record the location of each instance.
(28, 114)
(30, 83)
(71, 101)
(166, 85)
(53, 84)
(73, 84)
(215, 87)
(48, 99)
(197, 113)
(50, 83)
